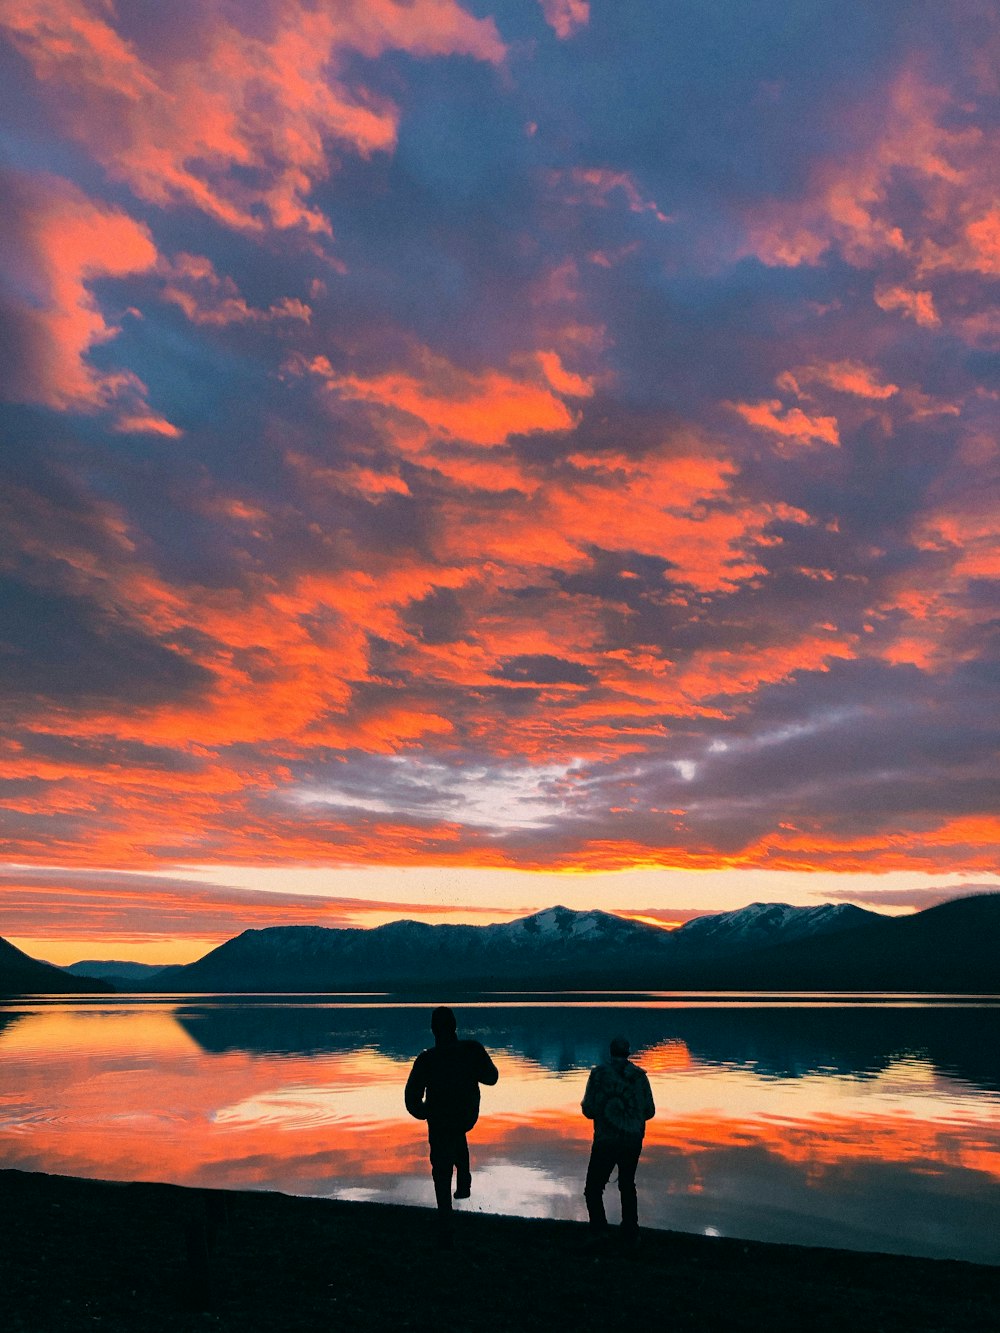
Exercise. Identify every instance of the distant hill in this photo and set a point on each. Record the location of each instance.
(22, 975)
(552, 949)
(952, 947)
(112, 970)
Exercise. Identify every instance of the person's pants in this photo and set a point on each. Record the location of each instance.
(449, 1152)
(605, 1155)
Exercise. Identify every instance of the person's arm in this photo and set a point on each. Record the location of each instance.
(648, 1105)
(416, 1086)
(488, 1072)
(589, 1106)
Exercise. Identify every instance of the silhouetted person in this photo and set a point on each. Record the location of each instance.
(619, 1101)
(443, 1089)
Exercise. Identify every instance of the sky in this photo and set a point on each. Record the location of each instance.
(462, 457)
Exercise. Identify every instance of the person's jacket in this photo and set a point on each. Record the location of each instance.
(618, 1100)
(443, 1086)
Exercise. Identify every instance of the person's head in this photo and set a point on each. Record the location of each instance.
(620, 1048)
(443, 1023)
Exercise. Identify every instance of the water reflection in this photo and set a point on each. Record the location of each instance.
(856, 1126)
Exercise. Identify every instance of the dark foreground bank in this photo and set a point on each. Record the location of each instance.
(79, 1254)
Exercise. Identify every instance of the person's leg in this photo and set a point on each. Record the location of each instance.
(463, 1171)
(442, 1147)
(599, 1168)
(628, 1160)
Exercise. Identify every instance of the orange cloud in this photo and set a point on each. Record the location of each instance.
(789, 423)
(287, 661)
(234, 123)
(971, 841)
(483, 408)
(678, 507)
(59, 244)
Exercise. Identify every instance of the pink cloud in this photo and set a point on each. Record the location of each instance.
(115, 905)
(918, 305)
(192, 283)
(846, 203)
(850, 377)
(975, 248)
(918, 899)
(598, 186)
(238, 124)
(146, 423)
(565, 17)
(946, 222)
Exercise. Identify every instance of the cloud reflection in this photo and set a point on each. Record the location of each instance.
(858, 1157)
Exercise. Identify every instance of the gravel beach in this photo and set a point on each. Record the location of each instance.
(95, 1255)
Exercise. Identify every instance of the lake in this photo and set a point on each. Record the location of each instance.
(819, 1121)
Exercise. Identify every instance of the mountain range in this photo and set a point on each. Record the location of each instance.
(554, 947)
(953, 947)
(765, 946)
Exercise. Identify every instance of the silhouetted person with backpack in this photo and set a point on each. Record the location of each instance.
(619, 1101)
(443, 1089)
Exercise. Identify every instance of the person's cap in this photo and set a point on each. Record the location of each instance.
(620, 1047)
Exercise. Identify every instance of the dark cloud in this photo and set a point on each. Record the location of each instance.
(69, 649)
(545, 669)
(917, 898)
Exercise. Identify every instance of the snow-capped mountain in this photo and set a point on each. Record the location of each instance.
(554, 947)
(534, 948)
(763, 924)
(953, 947)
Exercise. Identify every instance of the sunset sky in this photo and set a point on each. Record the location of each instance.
(464, 457)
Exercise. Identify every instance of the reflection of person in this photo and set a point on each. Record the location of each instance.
(619, 1101)
(443, 1089)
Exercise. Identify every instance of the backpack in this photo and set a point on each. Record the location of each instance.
(623, 1110)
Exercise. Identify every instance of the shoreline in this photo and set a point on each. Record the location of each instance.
(86, 1254)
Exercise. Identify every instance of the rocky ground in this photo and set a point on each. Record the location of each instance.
(143, 1258)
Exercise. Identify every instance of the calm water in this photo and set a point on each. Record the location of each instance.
(868, 1126)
